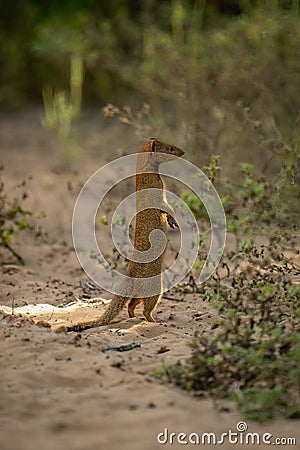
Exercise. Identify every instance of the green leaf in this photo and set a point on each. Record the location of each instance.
(103, 220)
(41, 214)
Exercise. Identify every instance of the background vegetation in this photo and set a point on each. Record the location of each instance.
(219, 78)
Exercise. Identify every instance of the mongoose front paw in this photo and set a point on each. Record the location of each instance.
(76, 328)
(171, 221)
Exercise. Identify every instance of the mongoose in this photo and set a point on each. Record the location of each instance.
(147, 220)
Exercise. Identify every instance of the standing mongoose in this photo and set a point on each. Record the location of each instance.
(147, 220)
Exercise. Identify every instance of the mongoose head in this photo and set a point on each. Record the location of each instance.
(161, 151)
(154, 152)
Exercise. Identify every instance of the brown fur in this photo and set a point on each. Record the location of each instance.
(146, 221)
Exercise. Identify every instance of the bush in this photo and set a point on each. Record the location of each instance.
(252, 352)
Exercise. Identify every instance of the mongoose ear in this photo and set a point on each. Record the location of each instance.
(152, 144)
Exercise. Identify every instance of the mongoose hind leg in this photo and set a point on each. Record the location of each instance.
(132, 305)
(150, 304)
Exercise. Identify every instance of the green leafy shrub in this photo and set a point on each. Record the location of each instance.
(13, 220)
(62, 109)
(252, 352)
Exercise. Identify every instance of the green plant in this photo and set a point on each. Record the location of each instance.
(103, 220)
(16, 219)
(62, 109)
(261, 405)
(13, 219)
(252, 353)
(213, 168)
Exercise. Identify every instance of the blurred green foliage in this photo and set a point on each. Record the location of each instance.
(221, 76)
(222, 48)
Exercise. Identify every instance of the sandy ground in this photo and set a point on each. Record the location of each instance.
(67, 391)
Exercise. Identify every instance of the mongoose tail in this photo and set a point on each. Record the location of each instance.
(116, 305)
